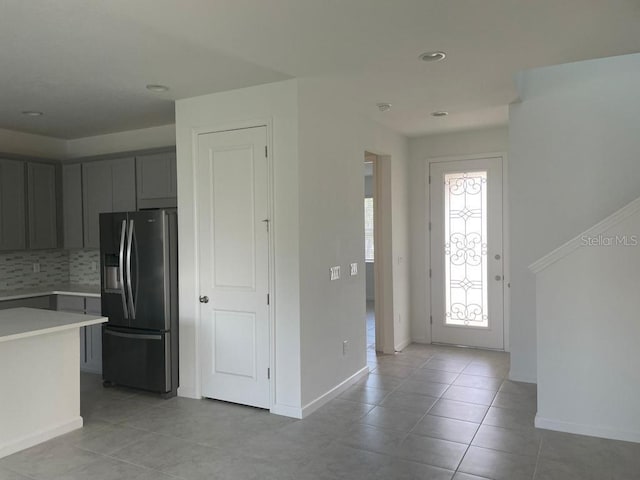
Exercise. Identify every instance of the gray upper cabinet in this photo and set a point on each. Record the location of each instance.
(12, 205)
(107, 186)
(123, 175)
(42, 205)
(156, 180)
(72, 205)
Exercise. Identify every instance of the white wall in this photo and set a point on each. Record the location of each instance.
(31, 145)
(276, 102)
(333, 139)
(162, 136)
(61, 149)
(588, 331)
(573, 157)
(420, 150)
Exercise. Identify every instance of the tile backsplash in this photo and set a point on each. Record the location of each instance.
(84, 267)
(55, 267)
(17, 269)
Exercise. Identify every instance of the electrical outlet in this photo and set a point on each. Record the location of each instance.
(354, 269)
(345, 347)
(335, 273)
(36, 267)
(94, 266)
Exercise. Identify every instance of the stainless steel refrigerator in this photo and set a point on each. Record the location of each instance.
(139, 290)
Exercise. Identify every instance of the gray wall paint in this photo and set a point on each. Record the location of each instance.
(368, 186)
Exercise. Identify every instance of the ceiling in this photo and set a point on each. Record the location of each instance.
(86, 64)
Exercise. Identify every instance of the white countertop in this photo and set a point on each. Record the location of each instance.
(16, 323)
(66, 289)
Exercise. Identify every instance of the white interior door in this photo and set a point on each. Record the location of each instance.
(466, 253)
(233, 238)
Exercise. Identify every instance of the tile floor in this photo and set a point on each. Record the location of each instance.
(427, 413)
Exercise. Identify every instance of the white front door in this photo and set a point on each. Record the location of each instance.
(466, 253)
(233, 239)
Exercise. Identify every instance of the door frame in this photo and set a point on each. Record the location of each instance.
(383, 263)
(506, 254)
(195, 135)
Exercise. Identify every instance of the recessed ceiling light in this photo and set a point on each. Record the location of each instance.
(439, 114)
(384, 107)
(432, 56)
(157, 88)
(32, 113)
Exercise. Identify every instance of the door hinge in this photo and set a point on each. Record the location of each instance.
(429, 179)
(429, 273)
(431, 319)
(268, 299)
(266, 152)
(268, 374)
(429, 226)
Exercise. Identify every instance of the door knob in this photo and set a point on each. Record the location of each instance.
(204, 299)
(498, 278)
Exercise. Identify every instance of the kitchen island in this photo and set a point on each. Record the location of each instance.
(39, 375)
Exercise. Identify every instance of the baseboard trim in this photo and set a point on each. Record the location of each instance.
(325, 398)
(286, 411)
(423, 340)
(583, 429)
(188, 393)
(521, 378)
(403, 345)
(40, 436)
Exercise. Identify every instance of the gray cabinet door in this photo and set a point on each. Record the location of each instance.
(72, 205)
(93, 341)
(42, 206)
(12, 205)
(107, 186)
(123, 174)
(93, 337)
(97, 198)
(156, 180)
(70, 303)
(46, 302)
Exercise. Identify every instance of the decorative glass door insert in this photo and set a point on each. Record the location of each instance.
(466, 265)
(465, 248)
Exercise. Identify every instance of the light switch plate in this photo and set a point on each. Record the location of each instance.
(354, 269)
(36, 268)
(335, 272)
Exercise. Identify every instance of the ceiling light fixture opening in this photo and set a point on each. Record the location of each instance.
(440, 113)
(157, 88)
(433, 56)
(32, 113)
(384, 107)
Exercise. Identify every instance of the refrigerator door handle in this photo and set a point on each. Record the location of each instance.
(132, 305)
(123, 234)
(143, 336)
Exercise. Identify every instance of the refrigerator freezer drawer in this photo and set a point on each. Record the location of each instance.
(139, 360)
